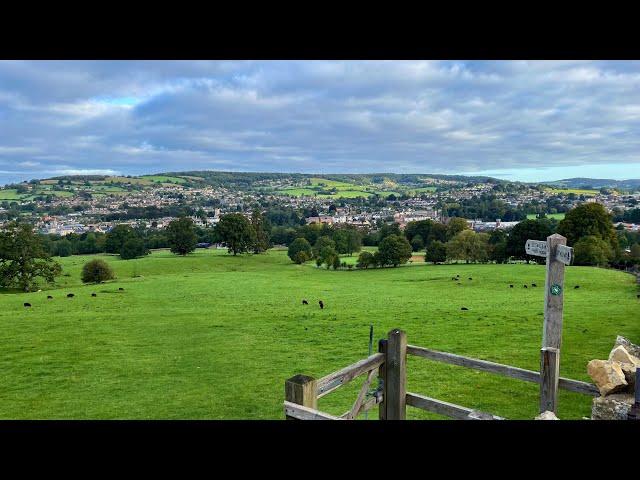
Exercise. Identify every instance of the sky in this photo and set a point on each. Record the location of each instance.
(516, 120)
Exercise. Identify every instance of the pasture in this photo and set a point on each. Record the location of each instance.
(212, 336)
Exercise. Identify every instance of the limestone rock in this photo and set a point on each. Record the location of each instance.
(607, 375)
(547, 415)
(622, 355)
(612, 407)
(630, 347)
(629, 371)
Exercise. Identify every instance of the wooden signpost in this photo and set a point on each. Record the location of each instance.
(558, 255)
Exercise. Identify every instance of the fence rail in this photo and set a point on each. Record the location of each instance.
(500, 369)
(389, 365)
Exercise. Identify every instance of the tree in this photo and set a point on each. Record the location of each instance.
(116, 237)
(261, 237)
(592, 250)
(133, 248)
(394, 250)
(468, 246)
(235, 231)
(96, 271)
(436, 252)
(588, 219)
(455, 226)
(322, 247)
(347, 239)
(635, 251)
(417, 243)
(299, 250)
(523, 231)
(63, 248)
(181, 236)
(23, 258)
(336, 262)
(498, 246)
(365, 260)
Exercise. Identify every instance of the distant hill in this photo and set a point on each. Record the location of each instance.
(596, 183)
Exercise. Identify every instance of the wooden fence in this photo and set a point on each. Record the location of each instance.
(389, 364)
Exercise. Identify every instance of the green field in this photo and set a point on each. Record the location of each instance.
(557, 216)
(164, 179)
(215, 336)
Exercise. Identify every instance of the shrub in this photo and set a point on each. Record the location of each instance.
(96, 271)
(299, 250)
(133, 248)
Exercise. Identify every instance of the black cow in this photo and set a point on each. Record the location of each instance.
(27, 304)
(49, 297)
(534, 285)
(321, 304)
(304, 302)
(510, 286)
(94, 295)
(464, 308)
(70, 295)
(470, 278)
(577, 286)
(525, 286)
(120, 288)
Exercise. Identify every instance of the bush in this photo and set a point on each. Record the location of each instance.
(299, 250)
(97, 271)
(365, 260)
(133, 248)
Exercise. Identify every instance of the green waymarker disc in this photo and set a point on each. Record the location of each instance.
(555, 289)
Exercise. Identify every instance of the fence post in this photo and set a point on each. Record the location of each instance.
(549, 376)
(552, 328)
(634, 411)
(382, 380)
(302, 390)
(395, 385)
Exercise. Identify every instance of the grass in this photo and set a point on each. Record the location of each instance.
(164, 179)
(557, 216)
(10, 194)
(215, 336)
(577, 191)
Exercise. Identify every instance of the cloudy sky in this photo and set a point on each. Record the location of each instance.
(518, 120)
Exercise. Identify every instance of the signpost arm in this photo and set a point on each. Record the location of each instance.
(552, 329)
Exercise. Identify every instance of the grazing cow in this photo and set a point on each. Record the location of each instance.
(94, 295)
(525, 286)
(120, 288)
(304, 302)
(464, 308)
(321, 304)
(638, 295)
(577, 286)
(70, 295)
(510, 286)
(454, 278)
(470, 278)
(27, 304)
(49, 297)
(534, 285)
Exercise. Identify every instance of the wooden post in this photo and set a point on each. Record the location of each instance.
(395, 385)
(553, 296)
(382, 380)
(549, 376)
(552, 328)
(301, 389)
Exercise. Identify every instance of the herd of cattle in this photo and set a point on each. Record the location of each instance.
(69, 295)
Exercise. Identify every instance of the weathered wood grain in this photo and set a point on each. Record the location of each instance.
(549, 366)
(447, 409)
(329, 383)
(395, 385)
(300, 412)
(500, 369)
(301, 390)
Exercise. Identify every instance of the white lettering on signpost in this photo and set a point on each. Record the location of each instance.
(536, 247)
(563, 254)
